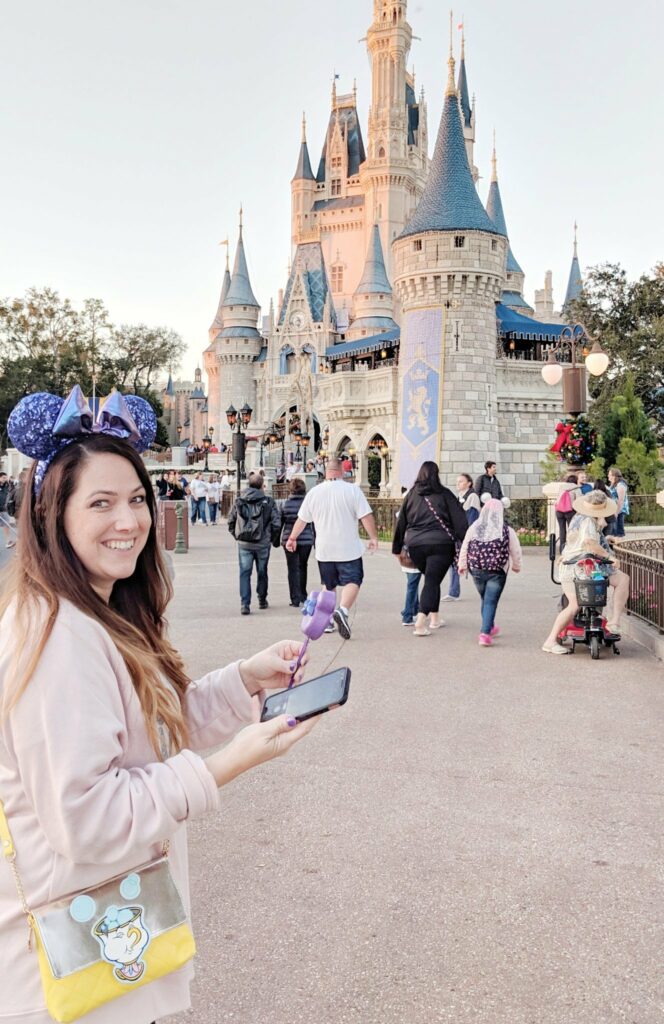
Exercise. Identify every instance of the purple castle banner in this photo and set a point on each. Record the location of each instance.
(420, 358)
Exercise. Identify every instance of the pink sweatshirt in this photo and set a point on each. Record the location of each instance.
(86, 799)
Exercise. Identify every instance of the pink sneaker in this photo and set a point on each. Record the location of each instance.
(495, 631)
(485, 640)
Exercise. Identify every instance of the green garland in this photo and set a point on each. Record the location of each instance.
(579, 441)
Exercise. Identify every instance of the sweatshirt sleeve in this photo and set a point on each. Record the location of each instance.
(216, 707)
(69, 733)
(400, 529)
(463, 553)
(515, 550)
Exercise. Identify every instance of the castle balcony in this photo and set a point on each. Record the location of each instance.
(358, 394)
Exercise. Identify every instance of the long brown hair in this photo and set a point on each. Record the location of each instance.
(47, 570)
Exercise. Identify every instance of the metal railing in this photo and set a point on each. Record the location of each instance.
(527, 516)
(643, 561)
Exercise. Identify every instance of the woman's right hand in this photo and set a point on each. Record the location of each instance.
(257, 744)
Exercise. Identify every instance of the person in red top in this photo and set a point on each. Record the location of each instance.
(347, 466)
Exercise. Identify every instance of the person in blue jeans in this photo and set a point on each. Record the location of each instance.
(412, 605)
(255, 522)
(489, 550)
(618, 491)
(471, 506)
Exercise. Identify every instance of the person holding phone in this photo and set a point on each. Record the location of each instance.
(101, 725)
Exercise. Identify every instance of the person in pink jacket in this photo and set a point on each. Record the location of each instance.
(100, 724)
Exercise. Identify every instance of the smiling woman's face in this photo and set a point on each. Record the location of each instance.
(107, 520)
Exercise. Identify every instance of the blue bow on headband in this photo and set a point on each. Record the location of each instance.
(42, 424)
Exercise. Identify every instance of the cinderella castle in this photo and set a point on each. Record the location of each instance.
(402, 331)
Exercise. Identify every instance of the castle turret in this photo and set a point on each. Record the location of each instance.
(514, 278)
(236, 346)
(218, 321)
(303, 193)
(467, 111)
(575, 281)
(449, 266)
(373, 303)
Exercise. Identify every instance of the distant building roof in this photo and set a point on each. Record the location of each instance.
(373, 323)
(353, 348)
(338, 203)
(198, 392)
(239, 332)
(303, 170)
(168, 390)
(575, 281)
(450, 201)
(514, 299)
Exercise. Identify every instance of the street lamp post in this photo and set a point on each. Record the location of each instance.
(573, 375)
(236, 421)
(306, 438)
(179, 430)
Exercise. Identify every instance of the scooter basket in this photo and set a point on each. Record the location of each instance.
(591, 593)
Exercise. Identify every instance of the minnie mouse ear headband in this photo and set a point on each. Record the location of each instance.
(41, 424)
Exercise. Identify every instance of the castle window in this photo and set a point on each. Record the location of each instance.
(509, 277)
(337, 278)
(336, 161)
(459, 241)
(381, 153)
(417, 245)
(335, 187)
(494, 245)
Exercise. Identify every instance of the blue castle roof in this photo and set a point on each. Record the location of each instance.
(466, 109)
(494, 207)
(575, 282)
(374, 278)
(169, 389)
(450, 201)
(303, 170)
(239, 291)
(218, 321)
(513, 324)
(310, 264)
(350, 348)
(350, 125)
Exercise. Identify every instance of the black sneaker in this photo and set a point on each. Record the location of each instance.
(244, 610)
(343, 625)
(262, 602)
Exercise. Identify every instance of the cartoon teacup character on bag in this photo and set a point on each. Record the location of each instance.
(123, 938)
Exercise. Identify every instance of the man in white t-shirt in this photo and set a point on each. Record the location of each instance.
(198, 490)
(334, 507)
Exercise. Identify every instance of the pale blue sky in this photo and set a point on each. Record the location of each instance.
(132, 129)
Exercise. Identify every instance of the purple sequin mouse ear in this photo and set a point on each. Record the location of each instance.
(30, 425)
(144, 417)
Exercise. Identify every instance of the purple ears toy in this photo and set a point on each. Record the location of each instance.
(316, 615)
(42, 424)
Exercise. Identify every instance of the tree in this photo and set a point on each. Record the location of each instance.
(628, 319)
(641, 468)
(625, 419)
(141, 352)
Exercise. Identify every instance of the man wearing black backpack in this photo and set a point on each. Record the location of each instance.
(255, 522)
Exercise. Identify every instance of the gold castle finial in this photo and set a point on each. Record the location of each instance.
(575, 228)
(241, 212)
(304, 127)
(225, 242)
(463, 38)
(494, 171)
(451, 88)
(355, 91)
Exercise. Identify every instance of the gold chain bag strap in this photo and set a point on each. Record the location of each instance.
(99, 944)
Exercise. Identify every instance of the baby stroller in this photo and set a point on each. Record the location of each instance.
(589, 624)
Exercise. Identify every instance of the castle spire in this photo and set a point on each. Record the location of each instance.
(240, 292)
(462, 83)
(450, 200)
(374, 277)
(451, 88)
(494, 207)
(218, 321)
(575, 281)
(303, 171)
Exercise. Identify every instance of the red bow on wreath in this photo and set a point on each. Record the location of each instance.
(563, 430)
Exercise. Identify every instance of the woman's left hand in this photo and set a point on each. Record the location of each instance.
(272, 668)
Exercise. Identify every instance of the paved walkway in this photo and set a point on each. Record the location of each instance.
(473, 838)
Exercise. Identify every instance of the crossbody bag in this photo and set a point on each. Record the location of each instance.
(100, 943)
(441, 523)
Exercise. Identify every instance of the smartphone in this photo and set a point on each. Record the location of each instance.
(310, 698)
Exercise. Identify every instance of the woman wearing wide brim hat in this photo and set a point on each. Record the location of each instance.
(585, 535)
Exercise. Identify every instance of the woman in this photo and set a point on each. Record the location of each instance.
(296, 561)
(162, 486)
(564, 509)
(585, 535)
(213, 498)
(430, 523)
(619, 493)
(99, 718)
(489, 550)
(470, 503)
(175, 490)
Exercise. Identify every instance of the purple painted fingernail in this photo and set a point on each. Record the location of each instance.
(292, 666)
(291, 722)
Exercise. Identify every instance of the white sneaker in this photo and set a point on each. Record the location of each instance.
(448, 597)
(554, 649)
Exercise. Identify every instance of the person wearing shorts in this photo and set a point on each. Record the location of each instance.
(334, 507)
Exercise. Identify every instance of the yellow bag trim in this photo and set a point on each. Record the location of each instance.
(6, 841)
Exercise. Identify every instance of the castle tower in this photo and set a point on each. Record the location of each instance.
(303, 194)
(395, 171)
(575, 281)
(467, 111)
(373, 302)
(218, 321)
(236, 347)
(515, 277)
(449, 273)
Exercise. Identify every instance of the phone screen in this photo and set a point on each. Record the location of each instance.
(310, 698)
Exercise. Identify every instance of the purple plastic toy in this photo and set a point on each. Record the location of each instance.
(316, 615)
